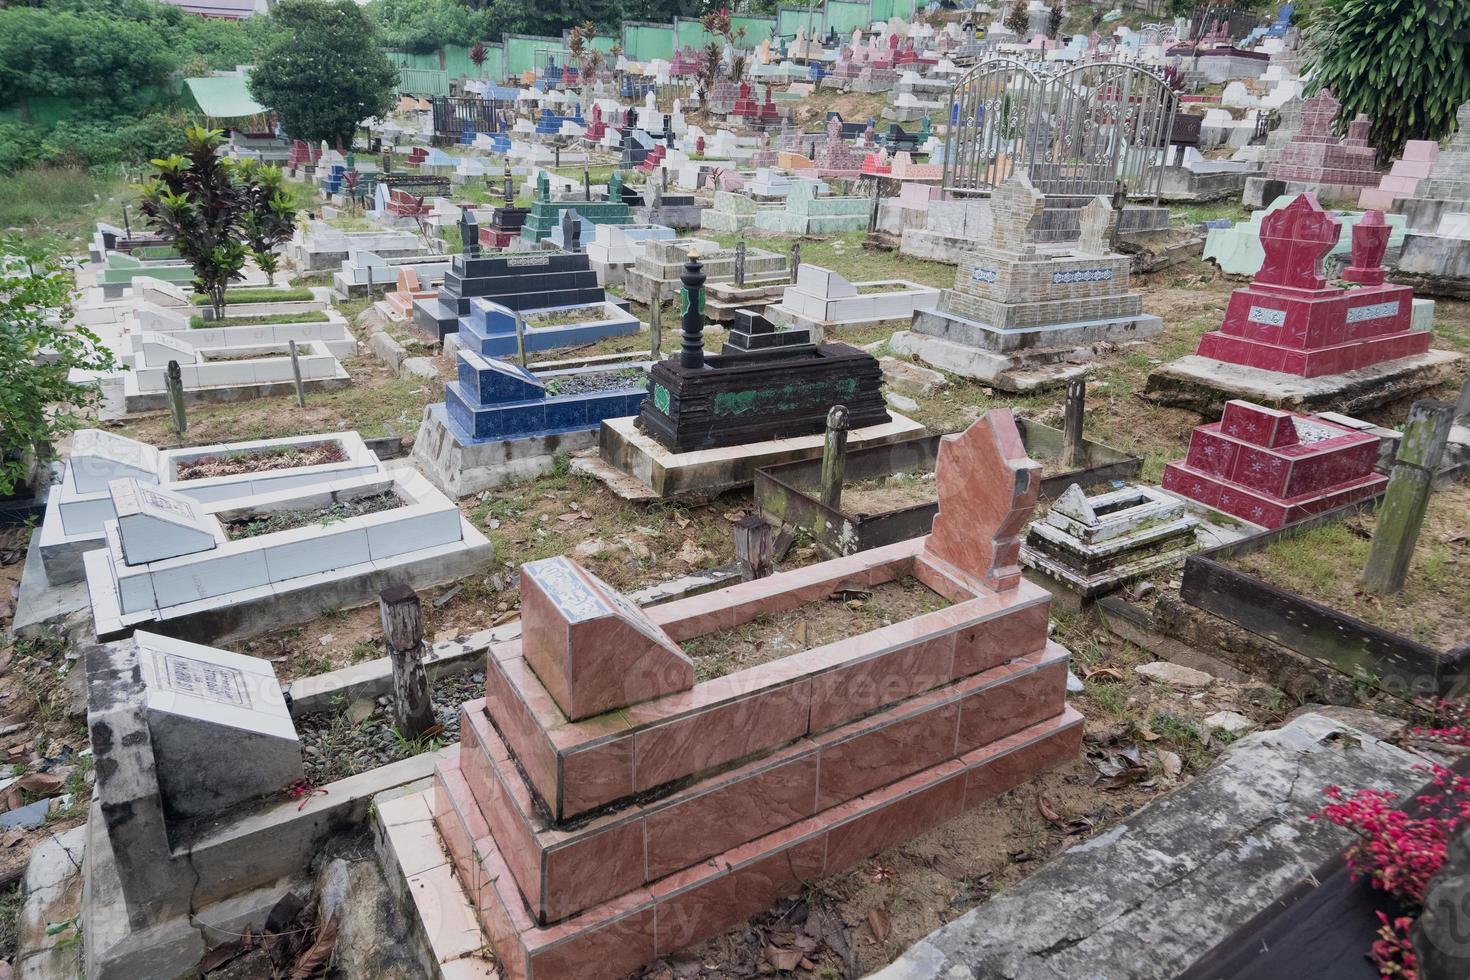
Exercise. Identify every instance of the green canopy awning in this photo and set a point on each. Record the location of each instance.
(224, 97)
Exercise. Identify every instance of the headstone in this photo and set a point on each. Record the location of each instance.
(591, 647)
(154, 524)
(469, 233)
(220, 729)
(98, 457)
(987, 488)
(1099, 224)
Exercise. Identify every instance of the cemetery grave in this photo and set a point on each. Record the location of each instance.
(887, 493)
(1022, 315)
(1291, 338)
(726, 649)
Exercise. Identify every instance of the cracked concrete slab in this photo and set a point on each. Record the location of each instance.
(1146, 898)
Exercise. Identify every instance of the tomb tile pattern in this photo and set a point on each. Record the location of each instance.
(1290, 320)
(1272, 467)
(589, 846)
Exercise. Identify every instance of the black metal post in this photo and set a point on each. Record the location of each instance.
(510, 194)
(691, 345)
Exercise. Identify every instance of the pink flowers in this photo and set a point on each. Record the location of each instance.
(1400, 852)
(1393, 950)
(1451, 721)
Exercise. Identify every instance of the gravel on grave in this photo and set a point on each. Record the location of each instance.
(252, 525)
(360, 735)
(586, 383)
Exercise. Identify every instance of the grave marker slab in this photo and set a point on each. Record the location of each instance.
(221, 732)
(154, 523)
(593, 649)
(1273, 467)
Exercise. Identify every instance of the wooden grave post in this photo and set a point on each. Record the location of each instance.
(655, 324)
(834, 456)
(1072, 412)
(755, 546)
(296, 374)
(403, 632)
(520, 338)
(1402, 512)
(173, 379)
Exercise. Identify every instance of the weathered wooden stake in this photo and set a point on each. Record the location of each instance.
(173, 378)
(655, 324)
(1462, 404)
(556, 152)
(1072, 453)
(520, 338)
(755, 546)
(795, 259)
(586, 184)
(834, 456)
(1402, 511)
(873, 208)
(296, 374)
(403, 632)
(740, 264)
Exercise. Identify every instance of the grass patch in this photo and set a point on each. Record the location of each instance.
(845, 255)
(1193, 214)
(1324, 564)
(60, 206)
(354, 222)
(11, 901)
(314, 316)
(258, 295)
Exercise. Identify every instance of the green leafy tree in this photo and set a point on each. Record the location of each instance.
(323, 73)
(1404, 63)
(195, 203)
(269, 217)
(422, 26)
(39, 350)
(89, 58)
(1017, 20)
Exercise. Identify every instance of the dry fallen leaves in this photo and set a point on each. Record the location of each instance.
(880, 923)
(783, 959)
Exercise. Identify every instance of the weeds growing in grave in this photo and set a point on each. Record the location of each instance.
(310, 666)
(11, 901)
(430, 741)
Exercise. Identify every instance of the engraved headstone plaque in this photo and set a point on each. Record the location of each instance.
(155, 524)
(220, 729)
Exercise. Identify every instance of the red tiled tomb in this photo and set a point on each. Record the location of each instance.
(589, 845)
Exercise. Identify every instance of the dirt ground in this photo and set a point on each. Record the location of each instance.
(868, 497)
(847, 612)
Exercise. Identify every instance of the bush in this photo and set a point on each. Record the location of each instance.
(86, 143)
(20, 146)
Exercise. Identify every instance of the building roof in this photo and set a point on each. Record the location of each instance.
(229, 9)
(224, 96)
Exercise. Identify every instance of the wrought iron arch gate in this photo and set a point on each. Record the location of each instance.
(1078, 131)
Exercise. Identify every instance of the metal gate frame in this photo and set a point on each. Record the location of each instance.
(1079, 131)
